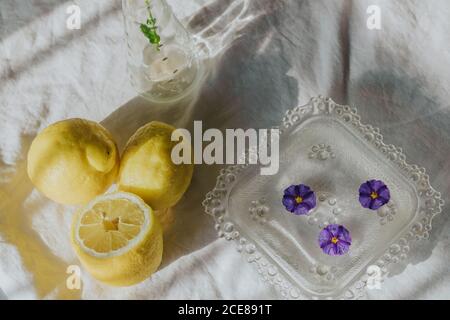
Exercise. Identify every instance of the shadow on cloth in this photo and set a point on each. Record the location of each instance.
(60, 43)
(21, 14)
(409, 118)
(48, 271)
(16, 218)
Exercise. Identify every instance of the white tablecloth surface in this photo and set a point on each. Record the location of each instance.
(267, 56)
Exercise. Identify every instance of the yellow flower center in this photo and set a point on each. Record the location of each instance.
(299, 200)
(334, 240)
(374, 195)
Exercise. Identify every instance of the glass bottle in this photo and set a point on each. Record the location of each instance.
(162, 60)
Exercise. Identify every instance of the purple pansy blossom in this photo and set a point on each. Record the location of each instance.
(374, 194)
(299, 199)
(335, 240)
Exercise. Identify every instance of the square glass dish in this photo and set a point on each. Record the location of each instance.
(325, 146)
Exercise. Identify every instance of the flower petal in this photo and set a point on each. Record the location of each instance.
(365, 189)
(301, 209)
(324, 237)
(310, 200)
(377, 204)
(303, 190)
(333, 229)
(309, 194)
(365, 201)
(344, 235)
(376, 185)
(342, 247)
(330, 249)
(290, 191)
(384, 193)
(289, 203)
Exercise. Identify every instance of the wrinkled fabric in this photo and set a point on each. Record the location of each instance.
(265, 57)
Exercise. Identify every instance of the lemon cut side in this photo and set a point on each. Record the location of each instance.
(118, 239)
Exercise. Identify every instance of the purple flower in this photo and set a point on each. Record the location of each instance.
(335, 240)
(374, 194)
(299, 199)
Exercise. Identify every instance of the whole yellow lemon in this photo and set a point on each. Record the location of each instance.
(147, 169)
(73, 161)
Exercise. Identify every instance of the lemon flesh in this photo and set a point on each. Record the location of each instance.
(73, 161)
(118, 239)
(147, 168)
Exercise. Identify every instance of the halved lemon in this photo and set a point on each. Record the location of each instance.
(118, 239)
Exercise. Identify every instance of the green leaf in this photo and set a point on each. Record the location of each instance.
(150, 30)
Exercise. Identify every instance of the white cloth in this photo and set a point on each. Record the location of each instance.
(267, 56)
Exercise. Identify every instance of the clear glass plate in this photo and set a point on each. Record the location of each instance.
(324, 145)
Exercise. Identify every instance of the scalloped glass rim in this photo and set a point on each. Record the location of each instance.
(251, 218)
